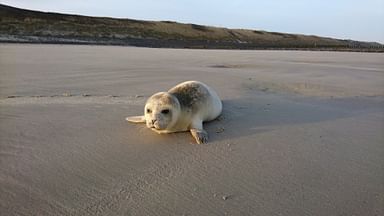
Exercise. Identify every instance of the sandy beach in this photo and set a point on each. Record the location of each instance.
(301, 133)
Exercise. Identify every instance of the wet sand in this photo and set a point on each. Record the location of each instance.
(301, 133)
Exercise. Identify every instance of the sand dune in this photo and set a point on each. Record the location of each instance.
(301, 133)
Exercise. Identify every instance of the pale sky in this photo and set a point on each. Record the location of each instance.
(345, 19)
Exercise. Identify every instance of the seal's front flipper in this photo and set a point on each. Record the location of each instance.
(136, 119)
(200, 135)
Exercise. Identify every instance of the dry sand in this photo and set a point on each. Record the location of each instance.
(301, 133)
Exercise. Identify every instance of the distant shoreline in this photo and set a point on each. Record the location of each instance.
(169, 44)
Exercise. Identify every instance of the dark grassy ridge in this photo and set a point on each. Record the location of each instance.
(26, 26)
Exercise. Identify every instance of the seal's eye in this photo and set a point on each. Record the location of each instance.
(149, 111)
(166, 111)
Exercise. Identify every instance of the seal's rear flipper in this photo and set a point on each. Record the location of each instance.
(136, 119)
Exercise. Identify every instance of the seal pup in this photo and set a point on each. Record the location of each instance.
(182, 108)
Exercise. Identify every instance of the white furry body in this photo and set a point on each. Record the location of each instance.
(184, 107)
(208, 110)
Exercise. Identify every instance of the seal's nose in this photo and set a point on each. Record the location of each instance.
(153, 121)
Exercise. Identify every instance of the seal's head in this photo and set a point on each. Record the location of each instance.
(161, 112)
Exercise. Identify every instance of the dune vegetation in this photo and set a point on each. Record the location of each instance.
(19, 25)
